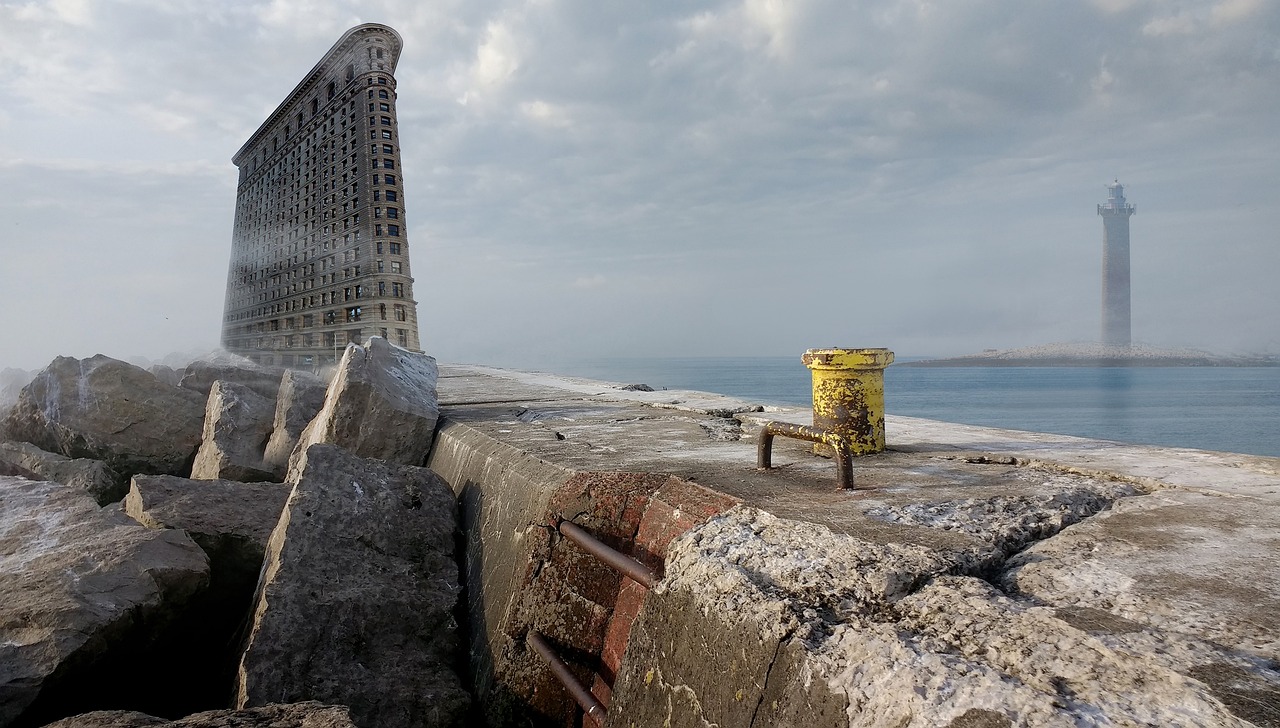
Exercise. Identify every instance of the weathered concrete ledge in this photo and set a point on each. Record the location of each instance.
(982, 577)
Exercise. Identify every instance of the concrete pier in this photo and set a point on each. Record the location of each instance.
(986, 577)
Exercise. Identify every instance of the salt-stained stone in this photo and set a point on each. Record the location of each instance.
(355, 604)
(810, 627)
(104, 409)
(93, 476)
(77, 582)
(301, 397)
(237, 425)
(230, 520)
(200, 374)
(381, 404)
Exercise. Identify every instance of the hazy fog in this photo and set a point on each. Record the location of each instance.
(615, 179)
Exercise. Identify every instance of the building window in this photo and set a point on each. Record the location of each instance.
(401, 313)
(393, 213)
(353, 336)
(380, 78)
(388, 164)
(402, 338)
(333, 89)
(395, 248)
(385, 134)
(395, 266)
(382, 93)
(379, 247)
(377, 230)
(397, 290)
(386, 121)
(390, 179)
(377, 212)
(391, 196)
(330, 317)
(382, 310)
(393, 231)
(380, 268)
(353, 313)
(359, 291)
(382, 289)
(346, 294)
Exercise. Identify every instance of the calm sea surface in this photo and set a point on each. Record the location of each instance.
(1210, 408)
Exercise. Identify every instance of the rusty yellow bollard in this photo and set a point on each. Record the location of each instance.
(848, 396)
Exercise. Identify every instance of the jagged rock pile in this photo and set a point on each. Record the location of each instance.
(259, 551)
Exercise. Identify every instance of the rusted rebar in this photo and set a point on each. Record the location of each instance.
(590, 704)
(842, 454)
(620, 562)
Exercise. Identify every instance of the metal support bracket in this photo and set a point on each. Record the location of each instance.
(842, 454)
(584, 697)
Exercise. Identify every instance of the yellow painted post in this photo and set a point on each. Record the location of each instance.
(848, 395)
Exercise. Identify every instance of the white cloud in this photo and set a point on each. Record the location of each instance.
(1233, 11)
(1180, 24)
(542, 112)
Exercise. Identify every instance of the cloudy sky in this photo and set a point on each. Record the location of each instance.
(742, 177)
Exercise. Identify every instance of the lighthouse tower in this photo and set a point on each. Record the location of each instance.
(1115, 266)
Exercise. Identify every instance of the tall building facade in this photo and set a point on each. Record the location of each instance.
(320, 250)
(1115, 266)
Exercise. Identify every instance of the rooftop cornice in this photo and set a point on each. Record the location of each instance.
(319, 71)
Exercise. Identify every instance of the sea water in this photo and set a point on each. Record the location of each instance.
(1231, 409)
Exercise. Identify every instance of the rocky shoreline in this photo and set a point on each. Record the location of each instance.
(168, 542)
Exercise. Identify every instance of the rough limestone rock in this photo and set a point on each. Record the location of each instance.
(356, 597)
(104, 409)
(200, 375)
(237, 425)
(295, 715)
(77, 582)
(230, 520)
(381, 404)
(301, 397)
(100, 481)
(1177, 561)
(166, 374)
(809, 627)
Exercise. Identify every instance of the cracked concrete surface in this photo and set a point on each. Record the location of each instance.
(979, 577)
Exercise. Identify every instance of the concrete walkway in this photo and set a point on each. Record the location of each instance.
(1103, 583)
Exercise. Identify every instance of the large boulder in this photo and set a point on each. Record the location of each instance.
(237, 425)
(355, 604)
(104, 409)
(301, 397)
(200, 375)
(98, 480)
(168, 375)
(79, 585)
(230, 520)
(381, 404)
(295, 715)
